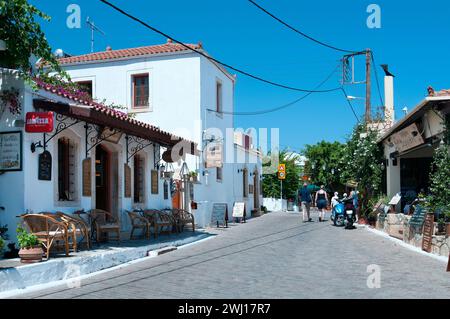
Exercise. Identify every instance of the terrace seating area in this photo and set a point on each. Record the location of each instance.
(69, 232)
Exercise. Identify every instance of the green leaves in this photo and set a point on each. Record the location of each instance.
(25, 239)
(439, 198)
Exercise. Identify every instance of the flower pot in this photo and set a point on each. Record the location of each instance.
(31, 255)
(362, 221)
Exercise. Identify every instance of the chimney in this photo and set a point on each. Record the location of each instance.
(389, 115)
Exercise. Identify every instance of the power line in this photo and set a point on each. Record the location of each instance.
(278, 107)
(350, 104)
(213, 59)
(298, 31)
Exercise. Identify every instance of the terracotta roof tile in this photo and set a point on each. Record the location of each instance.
(125, 53)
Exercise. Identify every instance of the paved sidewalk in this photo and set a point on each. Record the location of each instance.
(275, 256)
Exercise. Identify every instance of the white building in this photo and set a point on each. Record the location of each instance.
(85, 161)
(185, 93)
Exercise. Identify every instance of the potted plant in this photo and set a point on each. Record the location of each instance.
(2, 244)
(30, 249)
(193, 177)
(372, 218)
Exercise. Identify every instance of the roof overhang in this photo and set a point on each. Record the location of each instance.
(103, 118)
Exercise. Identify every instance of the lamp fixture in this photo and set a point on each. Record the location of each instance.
(34, 146)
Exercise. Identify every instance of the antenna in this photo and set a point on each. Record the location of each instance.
(93, 28)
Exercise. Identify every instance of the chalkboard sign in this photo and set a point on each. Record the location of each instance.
(239, 210)
(418, 217)
(45, 166)
(87, 177)
(428, 228)
(219, 214)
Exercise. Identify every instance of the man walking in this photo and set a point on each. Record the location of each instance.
(305, 198)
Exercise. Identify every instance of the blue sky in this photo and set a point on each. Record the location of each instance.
(413, 40)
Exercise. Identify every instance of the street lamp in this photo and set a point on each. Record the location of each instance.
(351, 98)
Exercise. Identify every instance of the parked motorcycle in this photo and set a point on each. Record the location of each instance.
(344, 213)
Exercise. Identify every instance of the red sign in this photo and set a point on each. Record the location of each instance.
(39, 122)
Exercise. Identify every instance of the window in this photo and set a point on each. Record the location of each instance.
(139, 173)
(86, 86)
(219, 174)
(245, 182)
(218, 96)
(140, 91)
(66, 170)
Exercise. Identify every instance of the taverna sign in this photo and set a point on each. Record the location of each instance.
(407, 138)
(39, 122)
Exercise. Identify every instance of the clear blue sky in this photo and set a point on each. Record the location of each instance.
(413, 40)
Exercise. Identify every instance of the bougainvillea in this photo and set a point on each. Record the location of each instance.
(10, 99)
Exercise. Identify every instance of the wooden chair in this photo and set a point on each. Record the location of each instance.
(48, 230)
(158, 220)
(139, 222)
(104, 222)
(78, 227)
(183, 218)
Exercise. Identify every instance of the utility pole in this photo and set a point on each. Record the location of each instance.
(281, 194)
(368, 86)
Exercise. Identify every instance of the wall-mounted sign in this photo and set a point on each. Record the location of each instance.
(45, 166)
(39, 122)
(407, 138)
(219, 214)
(213, 155)
(11, 151)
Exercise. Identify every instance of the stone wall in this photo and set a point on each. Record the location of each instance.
(397, 225)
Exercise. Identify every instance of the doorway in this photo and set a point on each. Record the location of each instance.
(256, 189)
(102, 179)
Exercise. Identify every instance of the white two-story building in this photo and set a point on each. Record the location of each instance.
(187, 94)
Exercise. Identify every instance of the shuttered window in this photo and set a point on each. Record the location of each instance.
(66, 169)
(139, 182)
(140, 91)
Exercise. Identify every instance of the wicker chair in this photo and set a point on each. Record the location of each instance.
(48, 230)
(159, 220)
(104, 222)
(139, 222)
(183, 218)
(78, 227)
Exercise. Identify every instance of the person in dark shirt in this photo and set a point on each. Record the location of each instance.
(305, 198)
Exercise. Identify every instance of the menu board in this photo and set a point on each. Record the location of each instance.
(45, 166)
(239, 209)
(428, 228)
(219, 214)
(11, 151)
(418, 217)
(87, 177)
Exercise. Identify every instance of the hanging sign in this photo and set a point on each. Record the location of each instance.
(87, 177)
(39, 122)
(45, 166)
(11, 151)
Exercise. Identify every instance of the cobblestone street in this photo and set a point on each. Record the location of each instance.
(275, 256)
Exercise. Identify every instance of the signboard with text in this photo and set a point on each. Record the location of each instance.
(10, 151)
(428, 227)
(407, 138)
(39, 122)
(219, 214)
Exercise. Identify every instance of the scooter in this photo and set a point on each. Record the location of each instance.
(349, 213)
(337, 214)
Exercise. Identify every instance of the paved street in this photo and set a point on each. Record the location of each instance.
(275, 256)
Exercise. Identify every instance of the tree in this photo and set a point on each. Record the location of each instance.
(23, 37)
(323, 164)
(361, 162)
(439, 198)
(271, 183)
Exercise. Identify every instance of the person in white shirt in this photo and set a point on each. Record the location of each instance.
(334, 200)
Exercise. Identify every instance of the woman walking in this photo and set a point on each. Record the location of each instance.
(321, 202)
